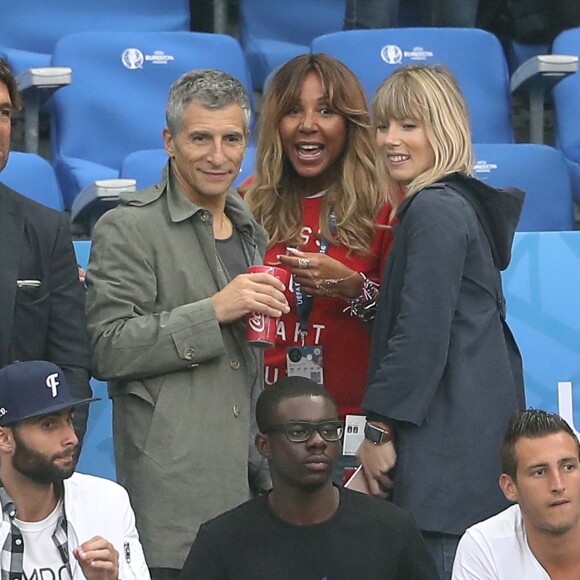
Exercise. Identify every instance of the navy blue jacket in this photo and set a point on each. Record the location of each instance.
(444, 367)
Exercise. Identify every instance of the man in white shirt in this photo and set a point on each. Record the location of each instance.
(539, 537)
(56, 523)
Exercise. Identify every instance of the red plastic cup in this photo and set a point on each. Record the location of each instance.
(261, 329)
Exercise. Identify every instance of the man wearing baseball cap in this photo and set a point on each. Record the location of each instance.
(56, 523)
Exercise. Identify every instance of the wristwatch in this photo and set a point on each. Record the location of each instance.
(377, 435)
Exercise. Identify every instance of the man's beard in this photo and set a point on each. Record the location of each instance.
(39, 467)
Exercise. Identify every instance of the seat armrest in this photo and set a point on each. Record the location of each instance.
(36, 86)
(538, 76)
(97, 198)
(545, 70)
(45, 80)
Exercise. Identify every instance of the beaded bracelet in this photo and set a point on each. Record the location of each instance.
(365, 305)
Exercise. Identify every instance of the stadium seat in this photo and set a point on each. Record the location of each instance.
(33, 176)
(538, 170)
(518, 53)
(273, 31)
(566, 99)
(146, 166)
(29, 29)
(97, 455)
(116, 102)
(475, 57)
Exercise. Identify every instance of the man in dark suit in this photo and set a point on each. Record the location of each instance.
(41, 298)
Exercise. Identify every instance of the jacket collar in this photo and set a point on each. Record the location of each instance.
(498, 211)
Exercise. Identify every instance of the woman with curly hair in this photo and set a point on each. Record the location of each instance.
(316, 194)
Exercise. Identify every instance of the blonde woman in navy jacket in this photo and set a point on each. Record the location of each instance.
(445, 373)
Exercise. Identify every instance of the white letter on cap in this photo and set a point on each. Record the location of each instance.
(52, 383)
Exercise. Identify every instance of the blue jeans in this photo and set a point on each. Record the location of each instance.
(442, 547)
(385, 13)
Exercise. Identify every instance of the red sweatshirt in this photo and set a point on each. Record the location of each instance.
(344, 339)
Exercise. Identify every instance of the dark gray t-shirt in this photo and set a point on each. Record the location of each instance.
(232, 255)
(366, 538)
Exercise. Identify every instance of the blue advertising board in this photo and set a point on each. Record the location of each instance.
(542, 289)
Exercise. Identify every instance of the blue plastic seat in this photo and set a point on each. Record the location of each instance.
(116, 102)
(518, 53)
(273, 32)
(146, 166)
(538, 170)
(566, 99)
(474, 56)
(98, 454)
(29, 29)
(34, 177)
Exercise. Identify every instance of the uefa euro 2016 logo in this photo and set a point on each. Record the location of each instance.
(391, 54)
(132, 58)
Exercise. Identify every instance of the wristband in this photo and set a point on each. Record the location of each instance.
(365, 306)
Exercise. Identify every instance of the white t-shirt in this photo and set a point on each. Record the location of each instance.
(497, 549)
(42, 559)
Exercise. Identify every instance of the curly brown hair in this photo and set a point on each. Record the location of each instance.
(353, 196)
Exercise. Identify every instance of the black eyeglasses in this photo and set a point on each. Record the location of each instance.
(300, 431)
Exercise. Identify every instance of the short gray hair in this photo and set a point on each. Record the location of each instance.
(210, 88)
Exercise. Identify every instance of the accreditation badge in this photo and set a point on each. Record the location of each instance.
(305, 361)
(354, 433)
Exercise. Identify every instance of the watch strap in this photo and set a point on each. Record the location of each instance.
(378, 433)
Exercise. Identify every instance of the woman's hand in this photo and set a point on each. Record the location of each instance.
(320, 275)
(377, 461)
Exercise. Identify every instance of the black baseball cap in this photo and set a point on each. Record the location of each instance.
(34, 388)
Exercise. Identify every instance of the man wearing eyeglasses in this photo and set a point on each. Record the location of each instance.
(306, 527)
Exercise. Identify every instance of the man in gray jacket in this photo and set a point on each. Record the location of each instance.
(167, 296)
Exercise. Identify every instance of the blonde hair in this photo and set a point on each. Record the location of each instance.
(353, 196)
(431, 96)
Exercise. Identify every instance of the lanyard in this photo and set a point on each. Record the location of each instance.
(304, 301)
